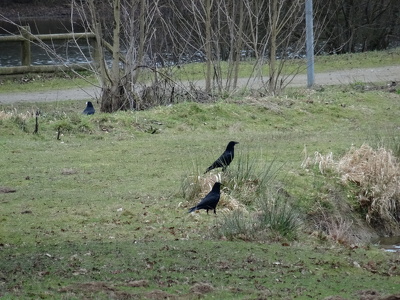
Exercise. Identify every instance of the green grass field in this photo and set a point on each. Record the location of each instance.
(101, 212)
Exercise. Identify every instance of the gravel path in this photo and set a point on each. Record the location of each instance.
(369, 75)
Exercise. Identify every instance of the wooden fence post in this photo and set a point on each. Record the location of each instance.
(25, 39)
(26, 46)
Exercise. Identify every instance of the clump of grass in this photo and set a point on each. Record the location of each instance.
(63, 125)
(276, 213)
(74, 123)
(5, 115)
(273, 217)
(389, 140)
(376, 173)
(195, 184)
(195, 187)
(237, 225)
(242, 182)
(84, 126)
(247, 178)
(332, 224)
(20, 122)
(17, 118)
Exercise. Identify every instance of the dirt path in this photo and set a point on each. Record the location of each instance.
(369, 75)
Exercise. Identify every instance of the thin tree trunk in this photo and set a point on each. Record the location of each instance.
(116, 44)
(208, 46)
(272, 49)
(142, 40)
(239, 43)
(112, 97)
(96, 27)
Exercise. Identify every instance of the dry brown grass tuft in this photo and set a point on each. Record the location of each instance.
(324, 162)
(227, 202)
(68, 171)
(334, 226)
(11, 114)
(200, 186)
(207, 182)
(201, 288)
(377, 174)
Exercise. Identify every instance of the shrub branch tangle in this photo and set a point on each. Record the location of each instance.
(150, 41)
(144, 45)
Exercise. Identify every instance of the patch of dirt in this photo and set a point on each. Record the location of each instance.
(391, 297)
(68, 171)
(6, 190)
(367, 295)
(201, 288)
(390, 87)
(158, 294)
(91, 288)
(88, 286)
(138, 283)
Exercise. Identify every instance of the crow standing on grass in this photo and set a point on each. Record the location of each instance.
(225, 159)
(210, 201)
(89, 110)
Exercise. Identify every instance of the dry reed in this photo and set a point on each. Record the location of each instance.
(376, 173)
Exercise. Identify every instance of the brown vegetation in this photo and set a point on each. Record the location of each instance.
(376, 176)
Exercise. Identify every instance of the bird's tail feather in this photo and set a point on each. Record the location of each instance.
(208, 169)
(194, 208)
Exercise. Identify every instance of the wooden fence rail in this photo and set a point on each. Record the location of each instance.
(26, 38)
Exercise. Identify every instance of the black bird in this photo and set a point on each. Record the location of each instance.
(210, 201)
(89, 110)
(225, 159)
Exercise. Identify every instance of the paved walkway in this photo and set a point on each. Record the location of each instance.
(380, 74)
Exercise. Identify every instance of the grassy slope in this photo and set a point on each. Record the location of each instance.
(102, 208)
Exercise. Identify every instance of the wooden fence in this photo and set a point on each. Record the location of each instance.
(26, 38)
